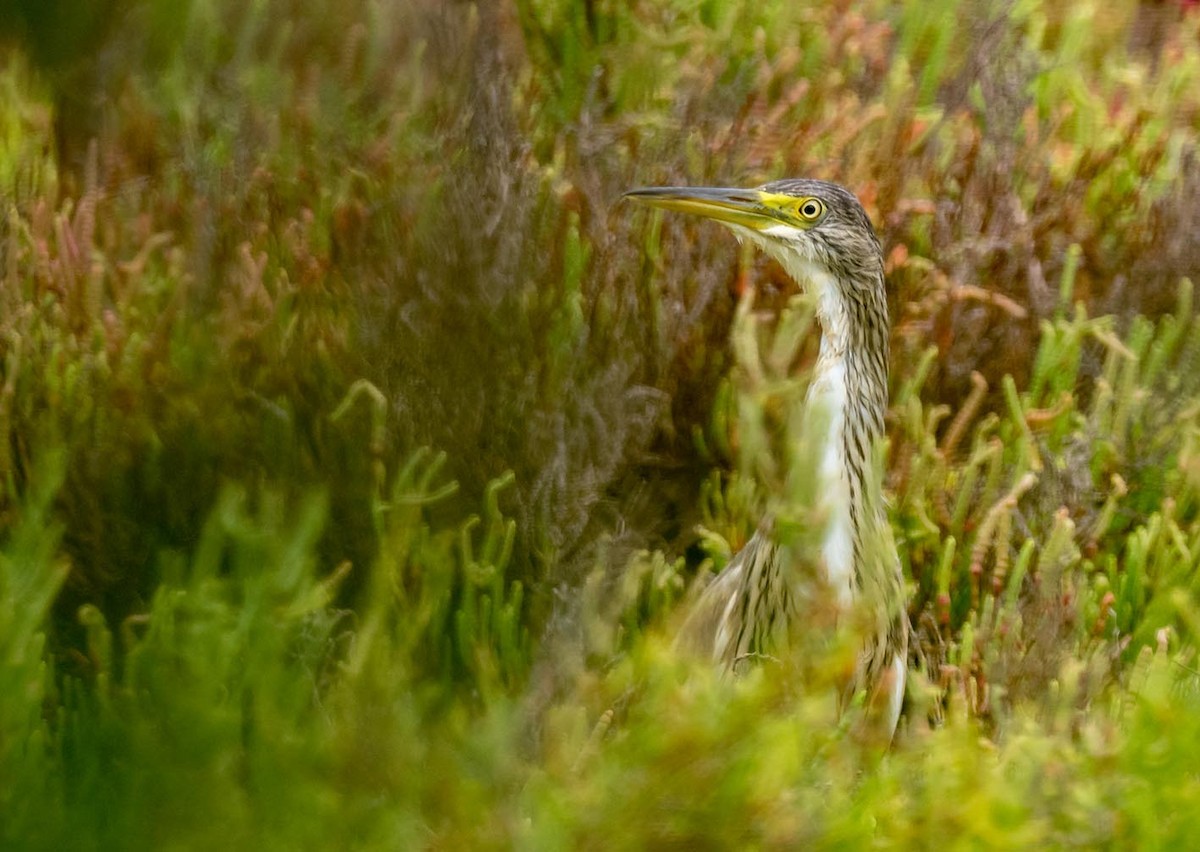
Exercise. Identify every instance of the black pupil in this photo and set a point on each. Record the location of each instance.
(810, 209)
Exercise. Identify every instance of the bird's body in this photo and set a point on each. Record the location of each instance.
(822, 237)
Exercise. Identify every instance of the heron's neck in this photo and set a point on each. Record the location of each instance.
(850, 382)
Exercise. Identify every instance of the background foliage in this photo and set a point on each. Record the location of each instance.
(358, 448)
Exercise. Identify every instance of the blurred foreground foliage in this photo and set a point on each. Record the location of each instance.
(356, 447)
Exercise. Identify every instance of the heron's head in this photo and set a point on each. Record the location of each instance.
(817, 230)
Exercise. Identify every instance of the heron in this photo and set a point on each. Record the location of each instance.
(822, 237)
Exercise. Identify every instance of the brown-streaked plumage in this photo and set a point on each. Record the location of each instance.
(820, 234)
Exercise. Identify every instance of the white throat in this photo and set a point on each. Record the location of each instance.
(829, 390)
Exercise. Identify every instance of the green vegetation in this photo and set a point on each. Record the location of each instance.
(358, 447)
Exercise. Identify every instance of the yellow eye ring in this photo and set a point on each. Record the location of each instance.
(811, 209)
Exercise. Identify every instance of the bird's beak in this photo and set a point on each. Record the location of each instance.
(749, 208)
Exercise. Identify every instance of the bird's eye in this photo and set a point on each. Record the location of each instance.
(811, 209)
